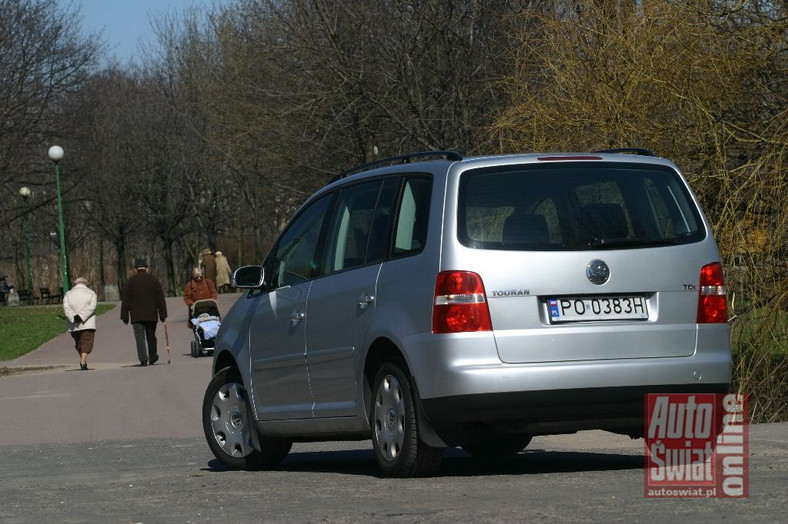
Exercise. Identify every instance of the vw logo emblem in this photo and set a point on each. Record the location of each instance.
(597, 272)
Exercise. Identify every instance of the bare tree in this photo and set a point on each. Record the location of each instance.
(110, 113)
(400, 76)
(43, 59)
(282, 95)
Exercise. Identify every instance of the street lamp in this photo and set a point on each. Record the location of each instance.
(24, 192)
(56, 155)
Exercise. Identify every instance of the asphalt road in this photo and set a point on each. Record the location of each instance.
(121, 443)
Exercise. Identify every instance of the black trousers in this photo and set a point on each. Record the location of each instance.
(145, 331)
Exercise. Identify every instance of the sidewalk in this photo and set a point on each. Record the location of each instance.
(48, 399)
(114, 343)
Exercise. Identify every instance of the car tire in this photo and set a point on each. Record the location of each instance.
(399, 450)
(497, 447)
(229, 426)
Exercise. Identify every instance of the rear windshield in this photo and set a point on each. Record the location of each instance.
(577, 206)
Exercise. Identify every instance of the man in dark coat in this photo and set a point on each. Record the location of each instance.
(143, 301)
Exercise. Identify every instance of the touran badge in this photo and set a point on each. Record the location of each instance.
(597, 272)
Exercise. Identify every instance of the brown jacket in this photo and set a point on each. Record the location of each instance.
(143, 299)
(198, 290)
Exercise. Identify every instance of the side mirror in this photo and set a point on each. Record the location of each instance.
(249, 277)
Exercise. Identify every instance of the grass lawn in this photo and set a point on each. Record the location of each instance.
(24, 328)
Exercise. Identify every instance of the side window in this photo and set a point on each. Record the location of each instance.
(295, 257)
(380, 234)
(413, 216)
(350, 226)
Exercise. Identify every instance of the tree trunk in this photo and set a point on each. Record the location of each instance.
(120, 248)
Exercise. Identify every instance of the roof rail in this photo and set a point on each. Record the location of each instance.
(631, 150)
(401, 159)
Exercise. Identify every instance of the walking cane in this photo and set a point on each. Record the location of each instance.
(167, 340)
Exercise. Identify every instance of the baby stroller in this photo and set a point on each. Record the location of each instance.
(206, 320)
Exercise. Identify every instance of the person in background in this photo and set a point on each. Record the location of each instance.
(223, 273)
(143, 301)
(197, 288)
(79, 306)
(208, 265)
(5, 289)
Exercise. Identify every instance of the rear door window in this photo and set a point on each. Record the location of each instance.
(576, 206)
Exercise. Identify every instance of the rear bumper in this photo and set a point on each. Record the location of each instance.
(464, 388)
(459, 418)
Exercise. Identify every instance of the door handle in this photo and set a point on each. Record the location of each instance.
(365, 300)
(296, 317)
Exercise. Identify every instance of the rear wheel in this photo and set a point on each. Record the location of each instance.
(228, 425)
(399, 450)
(195, 349)
(497, 447)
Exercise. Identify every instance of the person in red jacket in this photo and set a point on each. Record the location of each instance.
(198, 288)
(143, 302)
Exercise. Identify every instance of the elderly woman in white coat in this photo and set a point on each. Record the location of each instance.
(79, 305)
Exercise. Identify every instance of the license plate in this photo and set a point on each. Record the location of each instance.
(572, 309)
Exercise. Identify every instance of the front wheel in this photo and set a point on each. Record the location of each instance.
(399, 450)
(228, 426)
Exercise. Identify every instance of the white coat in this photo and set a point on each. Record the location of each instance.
(80, 300)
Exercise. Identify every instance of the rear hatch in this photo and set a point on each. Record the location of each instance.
(585, 260)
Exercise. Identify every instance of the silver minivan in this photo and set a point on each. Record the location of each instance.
(431, 301)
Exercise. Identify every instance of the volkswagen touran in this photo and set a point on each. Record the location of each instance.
(430, 301)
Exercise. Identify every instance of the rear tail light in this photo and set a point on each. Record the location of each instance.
(712, 305)
(460, 303)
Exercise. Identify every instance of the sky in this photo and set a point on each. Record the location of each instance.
(126, 23)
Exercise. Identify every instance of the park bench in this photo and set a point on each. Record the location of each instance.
(49, 298)
(26, 297)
